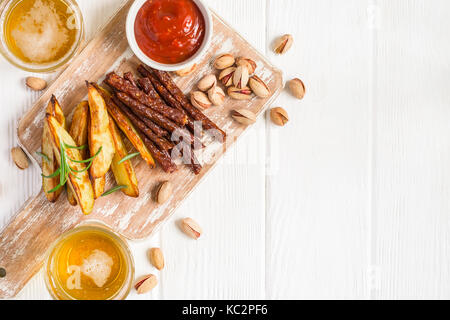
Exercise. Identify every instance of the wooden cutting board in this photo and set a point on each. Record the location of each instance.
(24, 242)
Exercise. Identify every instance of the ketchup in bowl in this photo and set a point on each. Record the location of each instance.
(169, 31)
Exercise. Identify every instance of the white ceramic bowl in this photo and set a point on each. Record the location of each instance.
(131, 18)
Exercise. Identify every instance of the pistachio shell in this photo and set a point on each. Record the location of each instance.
(200, 100)
(207, 83)
(240, 94)
(224, 61)
(259, 87)
(244, 116)
(279, 116)
(20, 158)
(226, 76)
(146, 284)
(36, 84)
(156, 258)
(191, 228)
(240, 77)
(186, 71)
(283, 44)
(164, 192)
(297, 88)
(248, 63)
(216, 96)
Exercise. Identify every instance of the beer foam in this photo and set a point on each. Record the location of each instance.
(40, 33)
(97, 267)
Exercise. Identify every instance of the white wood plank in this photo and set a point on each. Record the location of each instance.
(317, 183)
(228, 261)
(412, 132)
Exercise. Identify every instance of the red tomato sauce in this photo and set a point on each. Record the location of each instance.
(169, 31)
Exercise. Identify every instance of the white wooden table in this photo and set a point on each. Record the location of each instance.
(349, 200)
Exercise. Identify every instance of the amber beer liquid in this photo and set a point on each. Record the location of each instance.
(41, 32)
(89, 263)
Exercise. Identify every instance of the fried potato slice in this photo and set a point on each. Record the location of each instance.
(71, 197)
(123, 172)
(79, 126)
(99, 186)
(54, 108)
(80, 184)
(79, 133)
(127, 127)
(99, 134)
(49, 164)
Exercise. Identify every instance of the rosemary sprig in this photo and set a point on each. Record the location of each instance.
(128, 157)
(43, 155)
(74, 147)
(65, 169)
(87, 160)
(53, 175)
(112, 190)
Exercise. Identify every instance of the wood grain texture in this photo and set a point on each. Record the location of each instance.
(317, 179)
(133, 218)
(412, 172)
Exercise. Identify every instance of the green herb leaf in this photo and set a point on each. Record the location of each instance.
(63, 162)
(75, 147)
(128, 157)
(75, 176)
(65, 169)
(43, 156)
(83, 170)
(54, 174)
(116, 188)
(56, 188)
(87, 160)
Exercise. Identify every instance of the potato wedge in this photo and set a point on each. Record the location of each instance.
(81, 184)
(123, 172)
(50, 165)
(99, 134)
(54, 108)
(71, 197)
(99, 186)
(79, 126)
(127, 128)
(79, 133)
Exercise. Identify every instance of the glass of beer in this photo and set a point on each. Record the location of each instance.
(90, 262)
(40, 35)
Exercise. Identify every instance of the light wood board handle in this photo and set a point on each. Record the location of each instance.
(25, 240)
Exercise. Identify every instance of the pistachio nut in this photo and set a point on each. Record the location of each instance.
(283, 44)
(191, 228)
(200, 100)
(224, 61)
(146, 284)
(207, 82)
(216, 96)
(259, 87)
(297, 88)
(244, 116)
(226, 76)
(248, 63)
(240, 77)
(186, 71)
(240, 94)
(279, 116)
